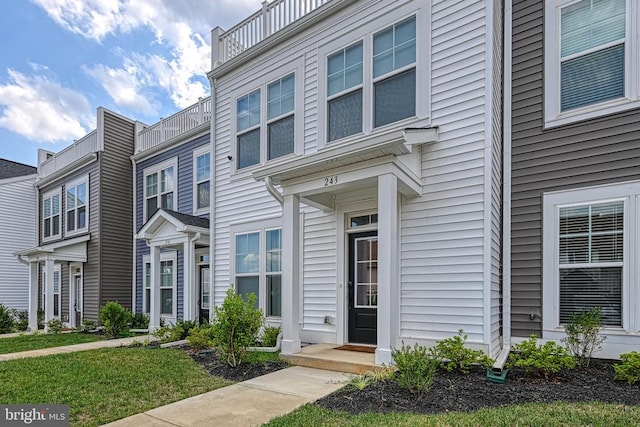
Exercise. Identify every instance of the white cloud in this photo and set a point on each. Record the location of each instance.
(40, 109)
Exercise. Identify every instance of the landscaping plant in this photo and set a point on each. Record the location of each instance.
(6, 319)
(21, 320)
(177, 332)
(139, 321)
(453, 355)
(629, 369)
(55, 326)
(114, 318)
(416, 367)
(583, 336)
(270, 336)
(542, 360)
(201, 337)
(236, 326)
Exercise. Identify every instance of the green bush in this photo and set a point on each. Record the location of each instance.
(201, 337)
(21, 320)
(55, 326)
(40, 314)
(544, 360)
(453, 355)
(6, 319)
(583, 335)
(140, 321)
(87, 325)
(114, 318)
(416, 368)
(178, 331)
(236, 326)
(270, 336)
(629, 369)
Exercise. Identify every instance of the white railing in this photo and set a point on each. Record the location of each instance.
(175, 125)
(80, 148)
(272, 18)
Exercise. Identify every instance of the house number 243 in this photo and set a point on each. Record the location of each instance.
(330, 180)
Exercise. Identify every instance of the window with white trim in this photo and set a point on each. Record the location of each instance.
(167, 288)
(587, 241)
(248, 129)
(160, 187)
(201, 179)
(344, 92)
(280, 117)
(56, 290)
(591, 58)
(76, 206)
(51, 215)
(257, 266)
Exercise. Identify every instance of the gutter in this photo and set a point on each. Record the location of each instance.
(268, 183)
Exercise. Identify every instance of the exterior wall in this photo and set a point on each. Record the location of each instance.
(597, 151)
(18, 214)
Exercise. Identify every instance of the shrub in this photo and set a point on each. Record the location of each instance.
(55, 326)
(416, 368)
(201, 337)
(177, 332)
(139, 321)
(629, 369)
(21, 320)
(236, 326)
(40, 314)
(582, 335)
(6, 319)
(542, 360)
(87, 325)
(270, 336)
(453, 355)
(114, 318)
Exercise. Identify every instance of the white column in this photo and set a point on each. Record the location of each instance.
(388, 267)
(48, 313)
(72, 297)
(189, 283)
(290, 277)
(33, 296)
(154, 300)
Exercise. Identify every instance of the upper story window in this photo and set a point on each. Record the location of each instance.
(280, 123)
(591, 59)
(76, 206)
(344, 92)
(51, 215)
(248, 128)
(160, 187)
(201, 179)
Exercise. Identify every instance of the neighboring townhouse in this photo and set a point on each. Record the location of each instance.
(575, 168)
(171, 210)
(357, 170)
(83, 256)
(18, 211)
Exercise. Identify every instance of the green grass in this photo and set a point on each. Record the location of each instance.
(261, 357)
(557, 414)
(38, 341)
(107, 384)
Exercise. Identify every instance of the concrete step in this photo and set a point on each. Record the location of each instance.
(325, 356)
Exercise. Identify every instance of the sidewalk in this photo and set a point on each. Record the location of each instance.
(249, 403)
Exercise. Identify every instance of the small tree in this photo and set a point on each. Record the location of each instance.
(583, 335)
(114, 318)
(236, 326)
(6, 320)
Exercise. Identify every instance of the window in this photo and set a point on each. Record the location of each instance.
(280, 123)
(588, 240)
(344, 92)
(248, 128)
(146, 303)
(590, 58)
(160, 187)
(201, 179)
(167, 287)
(51, 215)
(76, 206)
(56, 290)
(258, 268)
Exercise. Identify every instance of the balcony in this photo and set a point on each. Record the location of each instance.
(273, 17)
(77, 150)
(173, 127)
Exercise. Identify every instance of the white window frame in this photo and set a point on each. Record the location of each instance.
(164, 256)
(74, 184)
(199, 152)
(46, 196)
(261, 228)
(629, 193)
(631, 99)
(56, 269)
(155, 169)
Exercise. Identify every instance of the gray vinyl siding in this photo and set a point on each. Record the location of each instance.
(591, 152)
(116, 211)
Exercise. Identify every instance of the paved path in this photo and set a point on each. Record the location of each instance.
(249, 403)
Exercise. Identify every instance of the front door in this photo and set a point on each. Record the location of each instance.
(77, 297)
(363, 287)
(203, 301)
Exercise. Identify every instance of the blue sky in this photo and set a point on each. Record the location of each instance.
(62, 59)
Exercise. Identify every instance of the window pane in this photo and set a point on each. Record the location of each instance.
(55, 204)
(166, 180)
(592, 78)
(203, 165)
(584, 288)
(249, 149)
(281, 137)
(147, 275)
(47, 208)
(147, 299)
(394, 47)
(274, 295)
(82, 217)
(203, 195)
(280, 97)
(152, 206)
(247, 285)
(167, 201)
(47, 227)
(345, 115)
(395, 98)
(71, 198)
(152, 184)
(248, 253)
(71, 220)
(56, 224)
(166, 301)
(248, 111)
(273, 246)
(81, 194)
(344, 69)
(591, 23)
(166, 274)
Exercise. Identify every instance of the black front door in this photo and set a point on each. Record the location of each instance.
(363, 287)
(203, 302)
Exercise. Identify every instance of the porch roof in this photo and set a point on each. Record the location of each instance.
(167, 223)
(74, 249)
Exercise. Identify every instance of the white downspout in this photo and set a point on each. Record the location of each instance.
(272, 190)
(212, 198)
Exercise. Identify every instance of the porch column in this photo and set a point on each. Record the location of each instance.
(290, 278)
(48, 285)
(189, 285)
(73, 322)
(388, 267)
(154, 300)
(33, 296)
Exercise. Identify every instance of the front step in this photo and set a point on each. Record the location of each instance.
(325, 356)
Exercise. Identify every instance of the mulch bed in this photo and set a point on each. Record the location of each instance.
(212, 364)
(466, 393)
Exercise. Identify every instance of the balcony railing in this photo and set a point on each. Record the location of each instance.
(175, 125)
(272, 18)
(77, 150)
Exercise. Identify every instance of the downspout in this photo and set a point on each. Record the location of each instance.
(134, 270)
(506, 192)
(192, 269)
(212, 198)
(272, 190)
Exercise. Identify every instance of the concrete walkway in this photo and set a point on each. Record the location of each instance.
(249, 403)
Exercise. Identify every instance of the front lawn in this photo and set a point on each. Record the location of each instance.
(107, 384)
(41, 340)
